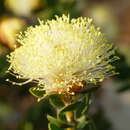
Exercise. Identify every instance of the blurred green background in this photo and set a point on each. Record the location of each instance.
(110, 110)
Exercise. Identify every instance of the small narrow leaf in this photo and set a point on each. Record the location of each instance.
(55, 100)
(54, 121)
(82, 122)
(42, 98)
(70, 107)
(53, 127)
(58, 122)
(81, 108)
(88, 102)
(37, 92)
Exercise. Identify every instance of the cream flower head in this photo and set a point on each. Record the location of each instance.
(63, 55)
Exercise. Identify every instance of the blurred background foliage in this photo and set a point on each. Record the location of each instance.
(18, 109)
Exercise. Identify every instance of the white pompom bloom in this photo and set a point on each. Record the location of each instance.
(62, 55)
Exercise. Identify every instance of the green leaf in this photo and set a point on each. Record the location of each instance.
(54, 121)
(53, 127)
(61, 116)
(71, 107)
(55, 101)
(82, 122)
(37, 92)
(81, 108)
(87, 102)
(84, 107)
(45, 96)
(58, 122)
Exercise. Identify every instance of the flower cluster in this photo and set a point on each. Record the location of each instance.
(62, 55)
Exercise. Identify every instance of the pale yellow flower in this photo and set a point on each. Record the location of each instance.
(9, 27)
(22, 7)
(63, 55)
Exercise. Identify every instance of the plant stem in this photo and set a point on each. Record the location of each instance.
(70, 129)
(70, 118)
(69, 114)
